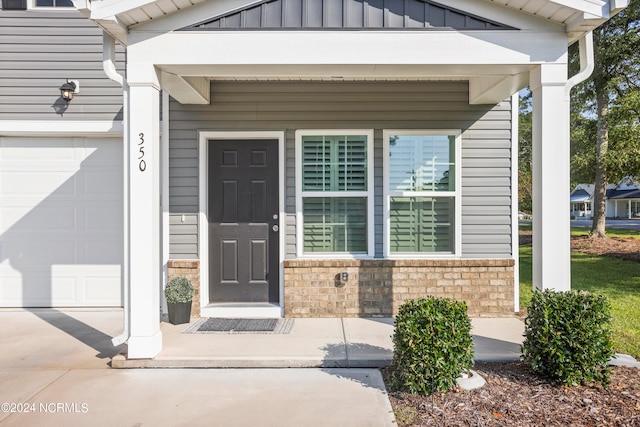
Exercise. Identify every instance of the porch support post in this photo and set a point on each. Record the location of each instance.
(551, 178)
(145, 262)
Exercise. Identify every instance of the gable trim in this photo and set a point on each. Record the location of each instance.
(346, 14)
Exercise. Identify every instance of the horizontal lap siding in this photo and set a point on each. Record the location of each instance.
(486, 185)
(38, 52)
(287, 106)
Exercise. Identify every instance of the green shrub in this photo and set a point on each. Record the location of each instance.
(432, 345)
(178, 290)
(568, 337)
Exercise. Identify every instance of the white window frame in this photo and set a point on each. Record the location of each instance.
(369, 194)
(456, 194)
(31, 4)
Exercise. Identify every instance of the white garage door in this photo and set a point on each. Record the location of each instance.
(61, 222)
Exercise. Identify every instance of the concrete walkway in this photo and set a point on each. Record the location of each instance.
(54, 370)
(314, 343)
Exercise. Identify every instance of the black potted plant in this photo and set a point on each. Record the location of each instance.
(179, 294)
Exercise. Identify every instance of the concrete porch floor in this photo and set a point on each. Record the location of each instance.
(314, 343)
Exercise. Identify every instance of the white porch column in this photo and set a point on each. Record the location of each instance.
(145, 262)
(551, 178)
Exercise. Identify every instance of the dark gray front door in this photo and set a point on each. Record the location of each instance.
(243, 221)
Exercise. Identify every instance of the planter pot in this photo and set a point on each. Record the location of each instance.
(179, 313)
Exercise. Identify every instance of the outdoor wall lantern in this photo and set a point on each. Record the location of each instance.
(68, 89)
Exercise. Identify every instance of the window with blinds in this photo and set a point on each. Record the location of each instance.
(421, 191)
(334, 196)
(335, 224)
(334, 163)
(54, 3)
(421, 224)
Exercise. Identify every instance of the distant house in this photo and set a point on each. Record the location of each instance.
(299, 158)
(581, 201)
(622, 200)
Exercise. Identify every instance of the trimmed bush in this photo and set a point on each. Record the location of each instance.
(432, 345)
(178, 290)
(568, 337)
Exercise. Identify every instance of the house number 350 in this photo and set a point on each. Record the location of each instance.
(142, 164)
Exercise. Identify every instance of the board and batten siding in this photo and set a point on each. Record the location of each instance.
(39, 51)
(288, 106)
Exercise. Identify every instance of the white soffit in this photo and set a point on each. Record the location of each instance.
(578, 16)
(117, 16)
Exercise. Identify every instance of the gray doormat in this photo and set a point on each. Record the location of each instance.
(217, 325)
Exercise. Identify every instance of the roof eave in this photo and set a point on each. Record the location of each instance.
(115, 16)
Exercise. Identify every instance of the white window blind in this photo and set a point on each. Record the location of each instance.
(334, 193)
(334, 163)
(421, 191)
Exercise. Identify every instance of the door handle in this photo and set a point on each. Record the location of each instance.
(275, 228)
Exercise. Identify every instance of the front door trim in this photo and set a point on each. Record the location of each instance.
(235, 310)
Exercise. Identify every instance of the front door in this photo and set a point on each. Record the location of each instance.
(243, 221)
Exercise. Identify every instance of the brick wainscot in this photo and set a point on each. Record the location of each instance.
(191, 270)
(379, 287)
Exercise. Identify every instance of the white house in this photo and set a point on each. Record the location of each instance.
(293, 157)
(622, 200)
(582, 201)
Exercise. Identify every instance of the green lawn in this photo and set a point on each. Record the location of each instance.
(618, 280)
(611, 232)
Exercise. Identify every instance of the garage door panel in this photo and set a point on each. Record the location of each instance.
(103, 252)
(103, 288)
(61, 222)
(109, 218)
(25, 254)
(39, 288)
(44, 184)
(64, 291)
(34, 150)
(102, 152)
(10, 288)
(106, 183)
(45, 218)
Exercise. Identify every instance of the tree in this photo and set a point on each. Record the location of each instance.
(611, 99)
(525, 189)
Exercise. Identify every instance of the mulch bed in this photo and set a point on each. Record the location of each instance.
(626, 249)
(515, 396)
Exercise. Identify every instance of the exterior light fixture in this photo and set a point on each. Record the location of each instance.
(68, 89)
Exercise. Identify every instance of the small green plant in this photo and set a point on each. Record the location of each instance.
(406, 416)
(178, 290)
(568, 337)
(432, 345)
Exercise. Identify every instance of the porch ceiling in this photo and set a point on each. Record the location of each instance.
(188, 84)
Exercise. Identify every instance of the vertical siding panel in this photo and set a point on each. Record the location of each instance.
(374, 16)
(312, 13)
(354, 14)
(332, 12)
(292, 13)
(287, 106)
